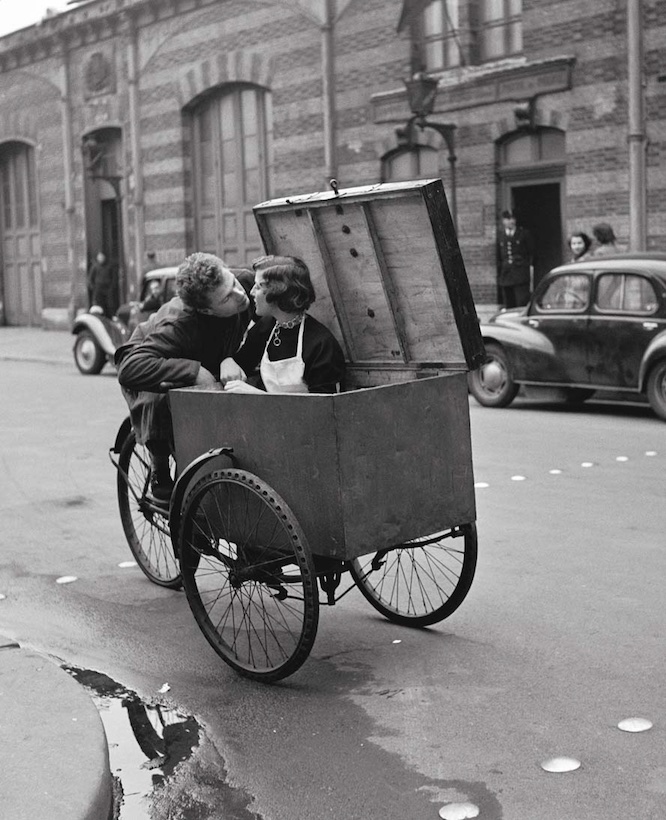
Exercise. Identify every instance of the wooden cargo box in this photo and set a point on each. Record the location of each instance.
(360, 470)
(376, 466)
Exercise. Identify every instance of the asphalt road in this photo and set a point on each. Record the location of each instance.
(559, 639)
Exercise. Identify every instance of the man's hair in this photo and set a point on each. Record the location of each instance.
(508, 215)
(603, 233)
(288, 281)
(197, 277)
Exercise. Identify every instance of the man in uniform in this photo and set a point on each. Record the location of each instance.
(515, 260)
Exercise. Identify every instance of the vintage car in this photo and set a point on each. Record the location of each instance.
(97, 336)
(596, 325)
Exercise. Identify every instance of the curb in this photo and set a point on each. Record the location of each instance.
(54, 759)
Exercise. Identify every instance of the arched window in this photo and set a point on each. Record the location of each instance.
(544, 145)
(418, 162)
(19, 229)
(231, 133)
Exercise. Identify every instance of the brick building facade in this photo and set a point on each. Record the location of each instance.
(135, 125)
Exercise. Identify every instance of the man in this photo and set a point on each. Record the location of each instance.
(100, 284)
(515, 257)
(183, 345)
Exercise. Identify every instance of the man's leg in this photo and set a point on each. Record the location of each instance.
(161, 482)
(522, 294)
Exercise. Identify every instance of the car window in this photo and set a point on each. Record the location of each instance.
(169, 289)
(625, 293)
(570, 292)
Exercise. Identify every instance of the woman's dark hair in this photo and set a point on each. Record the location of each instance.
(586, 240)
(603, 233)
(288, 283)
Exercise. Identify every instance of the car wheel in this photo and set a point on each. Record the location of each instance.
(492, 384)
(577, 395)
(656, 389)
(88, 355)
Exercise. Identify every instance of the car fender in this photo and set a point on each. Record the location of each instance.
(654, 351)
(518, 340)
(100, 330)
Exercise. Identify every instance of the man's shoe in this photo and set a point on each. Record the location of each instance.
(161, 488)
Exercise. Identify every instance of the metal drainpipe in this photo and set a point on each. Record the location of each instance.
(135, 141)
(636, 137)
(68, 162)
(328, 90)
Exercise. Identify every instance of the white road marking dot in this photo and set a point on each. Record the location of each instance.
(397, 641)
(555, 472)
(650, 452)
(481, 485)
(458, 811)
(621, 458)
(586, 464)
(66, 579)
(126, 564)
(561, 764)
(2, 597)
(635, 724)
(164, 688)
(518, 478)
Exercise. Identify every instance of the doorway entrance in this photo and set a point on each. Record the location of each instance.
(531, 169)
(537, 208)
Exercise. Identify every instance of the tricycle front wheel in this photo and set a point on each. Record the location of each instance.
(248, 574)
(422, 581)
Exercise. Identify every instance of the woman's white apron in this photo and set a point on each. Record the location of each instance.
(284, 375)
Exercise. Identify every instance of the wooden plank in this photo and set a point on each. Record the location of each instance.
(332, 284)
(387, 284)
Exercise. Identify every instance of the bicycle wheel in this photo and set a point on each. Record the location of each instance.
(422, 581)
(146, 525)
(248, 575)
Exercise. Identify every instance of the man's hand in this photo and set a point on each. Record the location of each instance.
(205, 379)
(230, 371)
(237, 386)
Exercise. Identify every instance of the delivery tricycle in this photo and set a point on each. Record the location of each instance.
(279, 496)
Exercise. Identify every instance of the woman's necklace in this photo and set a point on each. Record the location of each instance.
(277, 341)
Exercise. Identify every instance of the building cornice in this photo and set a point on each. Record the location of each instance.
(471, 86)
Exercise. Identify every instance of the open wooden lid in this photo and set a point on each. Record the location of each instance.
(387, 270)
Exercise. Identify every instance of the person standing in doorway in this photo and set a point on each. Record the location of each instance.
(515, 260)
(100, 283)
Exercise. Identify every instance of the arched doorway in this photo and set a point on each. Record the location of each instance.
(102, 155)
(532, 170)
(232, 132)
(20, 254)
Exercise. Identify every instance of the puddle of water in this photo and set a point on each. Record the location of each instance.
(146, 741)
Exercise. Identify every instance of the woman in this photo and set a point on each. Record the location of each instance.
(289, 350)
(606, 240)
(579, 245)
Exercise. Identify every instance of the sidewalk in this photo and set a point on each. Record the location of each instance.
(54, 758)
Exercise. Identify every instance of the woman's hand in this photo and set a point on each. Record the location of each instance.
(237, 386)
(230, 371)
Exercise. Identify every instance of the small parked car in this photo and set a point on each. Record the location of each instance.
(596, 325)
(98, 336)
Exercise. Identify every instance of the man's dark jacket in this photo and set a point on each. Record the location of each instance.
(167, 350)
(514, 256)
